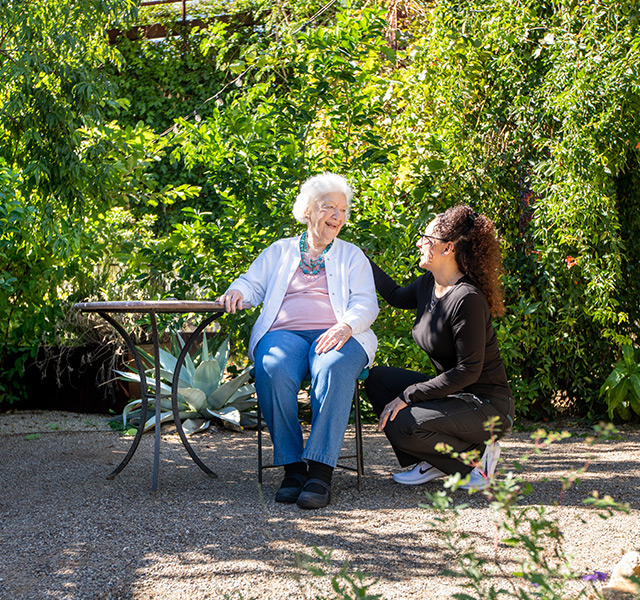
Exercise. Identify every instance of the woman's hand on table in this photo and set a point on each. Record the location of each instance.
(333, 338)
(232, 301)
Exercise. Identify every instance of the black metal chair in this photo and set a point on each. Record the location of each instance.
(359, 468)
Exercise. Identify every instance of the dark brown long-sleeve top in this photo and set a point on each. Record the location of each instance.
(456, 332)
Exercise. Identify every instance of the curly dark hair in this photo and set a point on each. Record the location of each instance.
(477, 250)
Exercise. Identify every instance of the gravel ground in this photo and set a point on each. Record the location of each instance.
(66, 532)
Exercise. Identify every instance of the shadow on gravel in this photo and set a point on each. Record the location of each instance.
(68, 532)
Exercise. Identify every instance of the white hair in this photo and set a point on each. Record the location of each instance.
(318, 186)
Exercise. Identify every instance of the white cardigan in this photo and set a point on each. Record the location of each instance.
(350, 282)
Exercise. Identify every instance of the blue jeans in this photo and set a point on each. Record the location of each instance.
(283, 359)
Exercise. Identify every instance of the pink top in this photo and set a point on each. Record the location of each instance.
(306, 304)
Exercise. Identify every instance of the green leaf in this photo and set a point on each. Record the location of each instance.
(165, 403)
(228, 413)
(237, 67)
(191, 426)
(390, 53)
(529, 309)
(615, 400)
(634, 403)
(129, 408)
(145, 355)
(207, 377)
(435, 164)
(177, 344)
(611, 381)
(205, 347)
(635, 385)
(243, 395)
(167, 360)
(222, 395)
(194, 397)
(628, 354)
(222, 355)
(184, 378)
(165, 388)
(165, 417)
(128, 376)
(624, 413)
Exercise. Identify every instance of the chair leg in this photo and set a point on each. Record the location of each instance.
(359, 452)
(358, 426)
(259, 417)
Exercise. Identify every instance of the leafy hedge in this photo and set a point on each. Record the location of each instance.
(528, 111)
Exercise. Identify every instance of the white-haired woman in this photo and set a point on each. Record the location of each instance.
(319, 301)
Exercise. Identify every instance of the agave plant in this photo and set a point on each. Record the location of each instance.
(202, 393)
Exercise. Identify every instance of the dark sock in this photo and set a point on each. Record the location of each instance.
(318, 470)
(297, 468)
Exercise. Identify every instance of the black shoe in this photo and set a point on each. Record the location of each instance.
(290, 488)
(315, 494)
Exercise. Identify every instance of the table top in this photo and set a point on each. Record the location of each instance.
(160, 306)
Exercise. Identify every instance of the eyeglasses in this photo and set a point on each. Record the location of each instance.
(430, 239)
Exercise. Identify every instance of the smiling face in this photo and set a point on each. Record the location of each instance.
(431, 246)
(325, 217)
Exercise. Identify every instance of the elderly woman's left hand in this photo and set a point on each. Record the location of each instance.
(333, 338)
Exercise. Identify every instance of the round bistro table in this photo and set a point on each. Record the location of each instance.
(152, 308)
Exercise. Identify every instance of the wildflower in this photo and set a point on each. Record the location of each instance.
(596, 576)
(571, 262)
(638, 145)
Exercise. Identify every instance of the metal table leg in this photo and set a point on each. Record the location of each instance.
(156, 445)
(143, 384)
(174, 394)
(158, 395)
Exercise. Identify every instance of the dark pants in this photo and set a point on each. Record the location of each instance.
(417, 429)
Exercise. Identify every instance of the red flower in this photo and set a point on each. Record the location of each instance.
(638, 145)
(571, 262)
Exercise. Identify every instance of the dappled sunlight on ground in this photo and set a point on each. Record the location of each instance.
(68, 532)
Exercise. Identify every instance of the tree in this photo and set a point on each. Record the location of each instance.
(62, 162)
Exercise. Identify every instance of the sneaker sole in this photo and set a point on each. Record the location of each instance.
(416, 481)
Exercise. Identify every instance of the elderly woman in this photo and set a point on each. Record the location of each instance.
(454, 302)
(319, 302)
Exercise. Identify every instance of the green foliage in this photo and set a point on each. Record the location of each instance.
(53, 85)
(346, 586)
(539, 566)
(154, 169)
(542, 564)
(621, 390)
(527, 112)
(63, 161)
(204, 392)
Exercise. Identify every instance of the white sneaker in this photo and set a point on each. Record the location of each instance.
(476, 481)
(421, 473)
(490, 458)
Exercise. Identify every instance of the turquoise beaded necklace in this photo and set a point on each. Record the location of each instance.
(313, 267)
